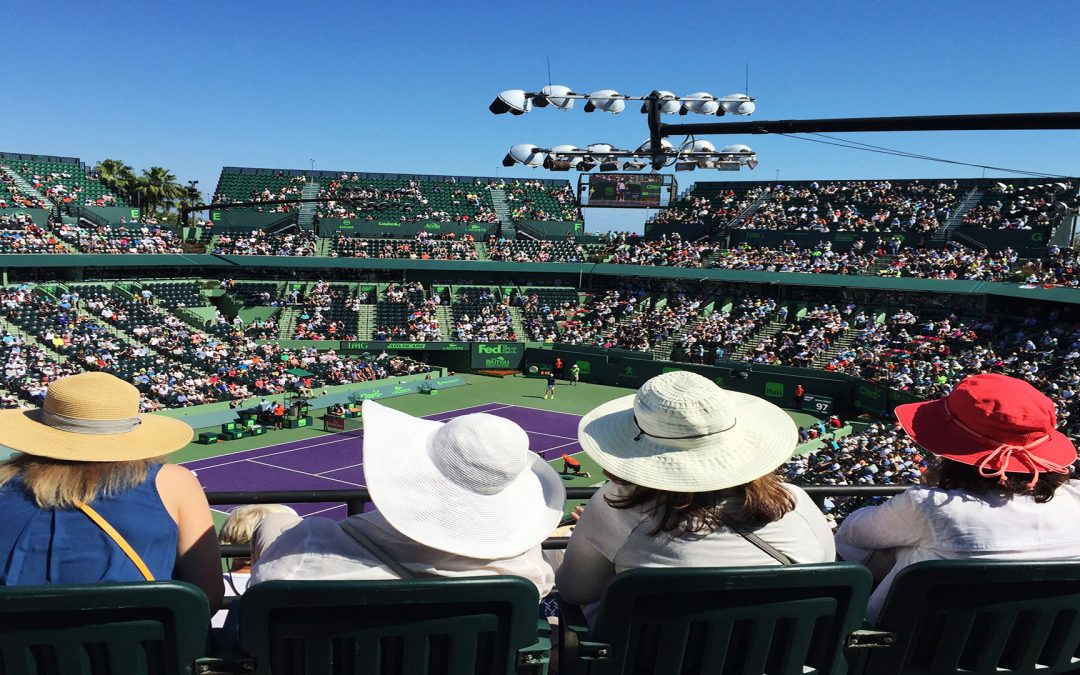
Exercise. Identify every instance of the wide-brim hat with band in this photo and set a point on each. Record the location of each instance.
(91, 417)
(469, 486)
(682, 433)
(995, 422)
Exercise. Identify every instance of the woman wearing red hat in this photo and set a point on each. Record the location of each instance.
(998, 487)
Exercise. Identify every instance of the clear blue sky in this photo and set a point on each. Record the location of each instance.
(404, 87)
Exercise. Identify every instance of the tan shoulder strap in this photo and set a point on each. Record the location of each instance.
(117, 537)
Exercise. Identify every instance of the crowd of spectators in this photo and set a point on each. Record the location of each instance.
(291, 189)
(139, 238)
(663, 252)
(1024, 207)
(718, 208)
(424, 246)
(480, 316)
(533, 200)
(406, 312)
(20, 234)
(720, 333)
(11, 197)
(856, 206)
(353, 198)
(789, 257)
(261, 243)
(529, 251)
(804, 339)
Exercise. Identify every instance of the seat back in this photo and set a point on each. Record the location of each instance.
(453, 626)
(126, 629)
(953, 616)
(789, 620)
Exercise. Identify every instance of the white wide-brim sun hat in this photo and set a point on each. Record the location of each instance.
(682, 433)
(469, 486)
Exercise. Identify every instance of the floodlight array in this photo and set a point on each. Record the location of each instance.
(560, 97)
(692, 154)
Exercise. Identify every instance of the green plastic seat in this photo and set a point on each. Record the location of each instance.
(718, 620)
(103, 629)
(447, 626)
(967, 616)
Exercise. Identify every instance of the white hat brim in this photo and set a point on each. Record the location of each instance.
(155, 436)
(763, 438)
(421, 503)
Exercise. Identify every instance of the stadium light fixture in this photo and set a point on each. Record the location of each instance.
(525, 153)
(701, 103)
(606, 100)
(557, 95)
(513, 101)
(633, 165)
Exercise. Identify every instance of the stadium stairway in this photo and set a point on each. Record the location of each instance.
(841, 343)
(748, 345)
(24, 185)
(287, 321)
(482, 251)
(944, 233)
(498, 202)
(750, 210)
(323, 246)
(446, 321)
(309, 209)
(882, 262)
(662, 351)
(516, 322)
(365, 322)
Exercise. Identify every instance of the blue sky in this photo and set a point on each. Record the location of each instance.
(404, 87)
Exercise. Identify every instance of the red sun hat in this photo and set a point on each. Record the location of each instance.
(995, 422)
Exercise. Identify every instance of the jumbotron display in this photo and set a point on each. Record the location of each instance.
(626, 190)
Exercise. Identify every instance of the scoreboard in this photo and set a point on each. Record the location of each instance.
(626, 190)
(822, 405)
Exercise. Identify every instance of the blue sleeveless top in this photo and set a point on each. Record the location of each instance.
(63, 546)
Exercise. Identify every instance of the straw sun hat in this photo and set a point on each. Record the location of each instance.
(469, 486)
(91, 417)
(682, 433)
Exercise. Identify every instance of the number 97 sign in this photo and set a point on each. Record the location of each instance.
(822, 405)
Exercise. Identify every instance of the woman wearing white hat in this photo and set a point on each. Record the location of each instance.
(692, 485)
(90, 499)
(461, 498)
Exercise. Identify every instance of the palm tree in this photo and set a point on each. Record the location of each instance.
(157, 187)
(118, 177)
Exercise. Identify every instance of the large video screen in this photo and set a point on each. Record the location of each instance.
(627, 190)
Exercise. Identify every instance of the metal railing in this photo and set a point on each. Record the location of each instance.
(356, 499)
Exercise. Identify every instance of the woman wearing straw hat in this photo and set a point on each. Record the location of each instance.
(90, 498)
(461, 498)
(692, 485)
(998, 486)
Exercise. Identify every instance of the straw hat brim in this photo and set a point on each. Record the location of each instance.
(421, 503)
(763, 438)
(156, 435)
(928, 424)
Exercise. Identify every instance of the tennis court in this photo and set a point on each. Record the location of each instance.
(336, 461)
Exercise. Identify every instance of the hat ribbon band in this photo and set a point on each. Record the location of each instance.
(1004, 452)
(78, 425)
(678, 438)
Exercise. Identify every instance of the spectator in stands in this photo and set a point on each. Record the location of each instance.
(91, 464)
(474, 501)
(998, 488)
(239, 528)
(692, 472)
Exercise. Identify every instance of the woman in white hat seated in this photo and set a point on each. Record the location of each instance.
(998, 487)
(91, 499)
(692, 484)
(461, 498)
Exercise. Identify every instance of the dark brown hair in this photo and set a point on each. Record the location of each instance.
(949, 475)
(762, 500)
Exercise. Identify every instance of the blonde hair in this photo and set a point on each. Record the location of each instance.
(239, 527)
(58, 484)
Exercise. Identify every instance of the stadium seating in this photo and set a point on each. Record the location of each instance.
(980, 618)
(63, 182)
(157, 628)
(486, 625)
(408, 249)
(527, 250)
(694, 621)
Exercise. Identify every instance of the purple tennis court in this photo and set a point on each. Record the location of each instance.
(336, 461)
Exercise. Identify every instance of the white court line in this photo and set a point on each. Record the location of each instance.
(564, 445)
(340, 468)
(314, 445)
(541, 433)
(313, 513)
(557, 412)
(272, 454)
(312, 475)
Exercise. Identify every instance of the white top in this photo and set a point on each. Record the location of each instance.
(607, 541)
(926, 523)
(318, 548)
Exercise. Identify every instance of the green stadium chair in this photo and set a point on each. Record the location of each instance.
(448, 626)
(103, 629)
(746, 620)
(976, 617)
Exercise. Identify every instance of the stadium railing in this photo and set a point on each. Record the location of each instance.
(355, 500)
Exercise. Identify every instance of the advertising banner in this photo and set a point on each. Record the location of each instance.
(497, 355)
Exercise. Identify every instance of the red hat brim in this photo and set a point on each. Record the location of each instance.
(928, 424)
